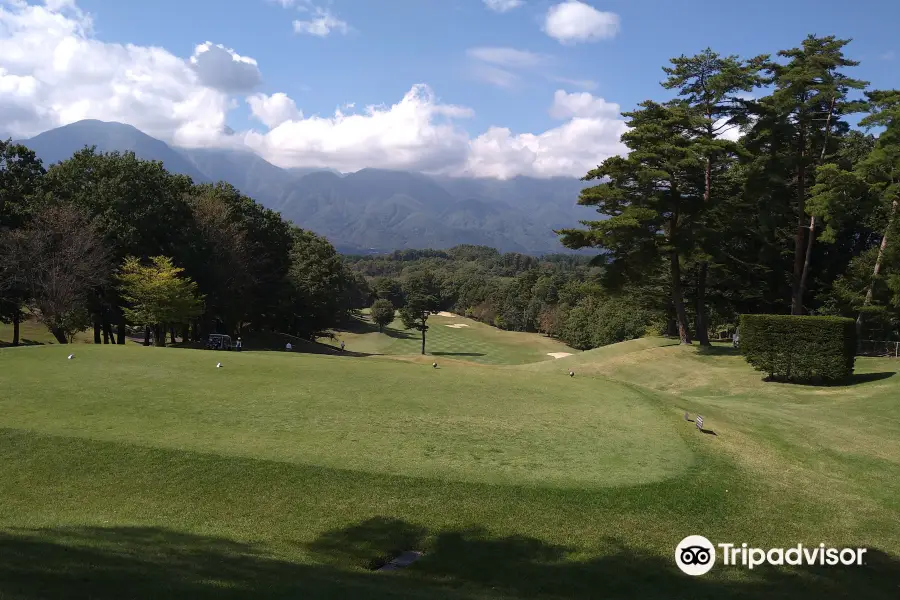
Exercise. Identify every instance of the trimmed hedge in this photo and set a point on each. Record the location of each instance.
(800, 349)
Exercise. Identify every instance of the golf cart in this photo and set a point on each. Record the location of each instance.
(217, 341)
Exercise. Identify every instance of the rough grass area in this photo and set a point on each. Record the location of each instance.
(148, 473)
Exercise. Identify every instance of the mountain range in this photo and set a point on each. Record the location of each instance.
(371, 210)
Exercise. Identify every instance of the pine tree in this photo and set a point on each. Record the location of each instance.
(810, 97)
(652, 199)
(711, 86)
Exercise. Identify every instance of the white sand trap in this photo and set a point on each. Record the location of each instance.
(559, 354)
(444, 313)
(456, 325)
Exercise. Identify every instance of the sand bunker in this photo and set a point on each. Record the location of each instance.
(444, 313)
(456, 325)
(559, 354)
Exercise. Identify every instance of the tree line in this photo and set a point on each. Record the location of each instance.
(558, 295)
(111, 242)
(749, 192)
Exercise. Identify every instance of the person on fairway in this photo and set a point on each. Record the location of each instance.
(237, 346)
(288, 346)
(342, 345)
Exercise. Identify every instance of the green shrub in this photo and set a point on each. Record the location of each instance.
(801, 349)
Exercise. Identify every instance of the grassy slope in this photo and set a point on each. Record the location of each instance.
(33, 333)
(477, 342)
(236, 482)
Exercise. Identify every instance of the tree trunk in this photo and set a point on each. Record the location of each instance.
(159, 336)
(805, 275)
(60, 335)
(120, 333)
(97, 329)
(702, 326)
(107, 330)
(799, 235)
(423, 340)
(146, 335)
(671, 321)
(876, 270)
(15, 319)
(172, 334)
(678, 300)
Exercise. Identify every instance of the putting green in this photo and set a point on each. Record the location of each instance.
(377, 415)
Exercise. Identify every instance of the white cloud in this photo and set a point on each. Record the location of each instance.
(573, 21)
(591, 134)
(495, 76)
(571, 149)
(583, 105)
(502, 67)
(54, 72)
(585, 84)
(724, 131)
(417, 132)
(224, 69)
(273, 110)
(321, 24)
(508, 57)
(502, 6)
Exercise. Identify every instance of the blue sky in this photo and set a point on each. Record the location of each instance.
(395, 43)
(444, 86)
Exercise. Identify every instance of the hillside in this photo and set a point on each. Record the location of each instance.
(369, 210)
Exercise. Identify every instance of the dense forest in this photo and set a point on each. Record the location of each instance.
(559, 295)
(110, 241)
(745, 191)
(749, 192)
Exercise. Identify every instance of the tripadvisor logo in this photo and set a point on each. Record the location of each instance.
(696, 555)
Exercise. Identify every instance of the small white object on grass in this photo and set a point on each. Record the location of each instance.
(571, 373)
(434, 364)
(218, 365)
(71, 356)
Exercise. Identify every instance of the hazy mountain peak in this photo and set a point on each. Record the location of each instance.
(369, 209)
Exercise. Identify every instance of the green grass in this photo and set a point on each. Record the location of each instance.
(474, 342)
(146, 473)
(32, 333)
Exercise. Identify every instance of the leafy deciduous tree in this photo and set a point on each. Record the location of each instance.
(158, 295)
(382, 313)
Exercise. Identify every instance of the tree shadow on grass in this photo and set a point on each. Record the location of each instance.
(858, 378)
(357, 325)
(854, 379)
(275, 342)
(524, 567)
(459, 564)
(22, 342)
(719, 350)
(457, 353)
(401, 334)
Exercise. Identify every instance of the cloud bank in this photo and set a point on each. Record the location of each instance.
(53, 71)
